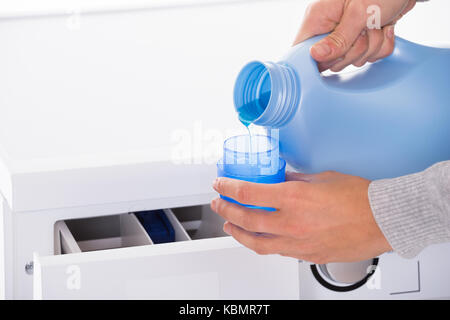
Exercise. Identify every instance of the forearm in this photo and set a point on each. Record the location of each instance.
(413, 211)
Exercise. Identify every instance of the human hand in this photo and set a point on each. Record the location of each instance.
(320, 218)
(350, 41)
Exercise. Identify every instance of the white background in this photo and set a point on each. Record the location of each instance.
(115, 90)
(429, 22)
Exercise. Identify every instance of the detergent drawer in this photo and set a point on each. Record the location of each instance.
(113, 257)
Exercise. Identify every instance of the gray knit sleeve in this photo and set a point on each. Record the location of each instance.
(413, 211)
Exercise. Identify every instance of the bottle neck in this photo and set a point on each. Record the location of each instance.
(266, 94)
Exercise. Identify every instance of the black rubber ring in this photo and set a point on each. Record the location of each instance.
(351, 287)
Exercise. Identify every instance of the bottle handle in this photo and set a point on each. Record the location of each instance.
(308, 64)
(404, 50)
(406, 55)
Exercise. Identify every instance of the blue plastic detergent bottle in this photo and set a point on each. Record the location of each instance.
(388, 119)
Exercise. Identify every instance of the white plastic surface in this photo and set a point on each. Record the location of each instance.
(2, 250)
(180, 232)
(348, 273)
(425, 277)
(207, 269)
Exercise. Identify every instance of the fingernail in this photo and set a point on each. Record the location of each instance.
(215, 183)
(322, 49)
(227, 228)
(214, 204)
(390, 32)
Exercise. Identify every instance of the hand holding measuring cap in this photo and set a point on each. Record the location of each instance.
(319, 218)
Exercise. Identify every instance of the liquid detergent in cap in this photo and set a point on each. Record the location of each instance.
(253, 158)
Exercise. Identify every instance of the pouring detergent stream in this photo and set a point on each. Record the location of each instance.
(386, 120)
(253, 158)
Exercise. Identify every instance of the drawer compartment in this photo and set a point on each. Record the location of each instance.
(200, 222)
(112, 232)
(99, 233)
(119, 261)
(180, 233)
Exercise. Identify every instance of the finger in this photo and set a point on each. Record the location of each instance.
(319, 18)
(375, 38)
(358, 50)
(253, 220)
(312, 178)
(257, 194)
(323, 176)
(260, 243)
(322, 66)
(388, 44)
(408, 7)
(297, 176)
(341, 40)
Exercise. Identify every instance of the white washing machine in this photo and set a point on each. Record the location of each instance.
(111, 108)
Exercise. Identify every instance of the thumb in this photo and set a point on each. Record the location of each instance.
(320, 17)
(337, 43)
